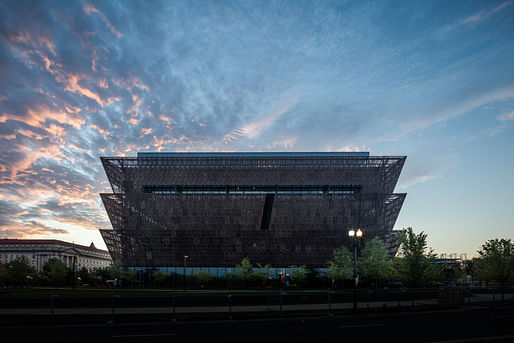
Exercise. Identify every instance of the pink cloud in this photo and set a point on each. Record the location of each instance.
(100, 130)
(31, 134)
(30, 229)
(103, 83)
(20, 37)
(90, 9)
(39, 115)
(72, 85)
(8, 136)
(136, 103)
(133, 121)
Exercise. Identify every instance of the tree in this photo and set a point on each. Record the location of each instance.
(202, 277)
(230, 278)
(115, 270)
(341, 266)
(375, 262)
(56, 271)
(84, 275)
(19, 273)
(94, 276)
(3, 275)
(158, 277)
(260, 276)
(415, 267)
(131, 276)
(496, 261)
(299, 273)
(244, 270)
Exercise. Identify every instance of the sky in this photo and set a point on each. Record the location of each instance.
(430, 80)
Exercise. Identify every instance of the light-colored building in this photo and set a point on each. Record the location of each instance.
(38, 251)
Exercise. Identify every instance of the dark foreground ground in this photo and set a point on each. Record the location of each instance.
(456, 325)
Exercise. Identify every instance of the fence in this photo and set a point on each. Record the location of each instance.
(173, 305)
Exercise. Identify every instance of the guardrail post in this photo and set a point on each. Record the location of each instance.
(114, 296)
(281, 300)
(329, 301)
(368, 296)
(229, 299)
(52, 296)
(173, 296)
(269, 300)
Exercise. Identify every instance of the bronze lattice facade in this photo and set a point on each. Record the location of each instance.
(275, 208)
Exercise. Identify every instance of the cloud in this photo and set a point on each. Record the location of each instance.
(84, 80)
(419, 168)
(72, 85)
(90, 9)
(477, 18)
(505, 117)
(31, 229)
(256, 126)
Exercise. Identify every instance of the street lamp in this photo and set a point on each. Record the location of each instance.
(355, 237)
(185, 264)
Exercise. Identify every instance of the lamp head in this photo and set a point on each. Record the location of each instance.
(359, 233)
(351, 233)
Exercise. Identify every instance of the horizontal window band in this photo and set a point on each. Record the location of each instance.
(253, 189)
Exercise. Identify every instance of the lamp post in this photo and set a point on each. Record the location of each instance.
(185, 264)
(73, 278)
(355, 236)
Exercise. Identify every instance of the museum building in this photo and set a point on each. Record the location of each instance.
(210, 210)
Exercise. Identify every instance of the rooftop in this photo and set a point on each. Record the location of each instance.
(253, 154)
(50, 241)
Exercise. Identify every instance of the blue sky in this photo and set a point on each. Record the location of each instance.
(433, 80)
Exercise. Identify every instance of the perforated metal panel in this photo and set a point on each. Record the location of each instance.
(280, 209)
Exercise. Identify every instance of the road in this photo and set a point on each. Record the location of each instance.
(456, 326)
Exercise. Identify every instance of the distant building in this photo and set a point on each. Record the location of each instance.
(279, 208)
(38, 251)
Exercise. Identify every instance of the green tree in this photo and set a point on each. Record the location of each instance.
(299, 274)
(56, 271)
(158, 277)
(115, 270)
(83, 276)
(202, 277)
(375, 262)
(94, 276)
(230, 278)
(260, 276)
(3, 275)
(131, 276)
(496, 261)
(20, 273)
(341, 266)
(245, 270)
(415, 265)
